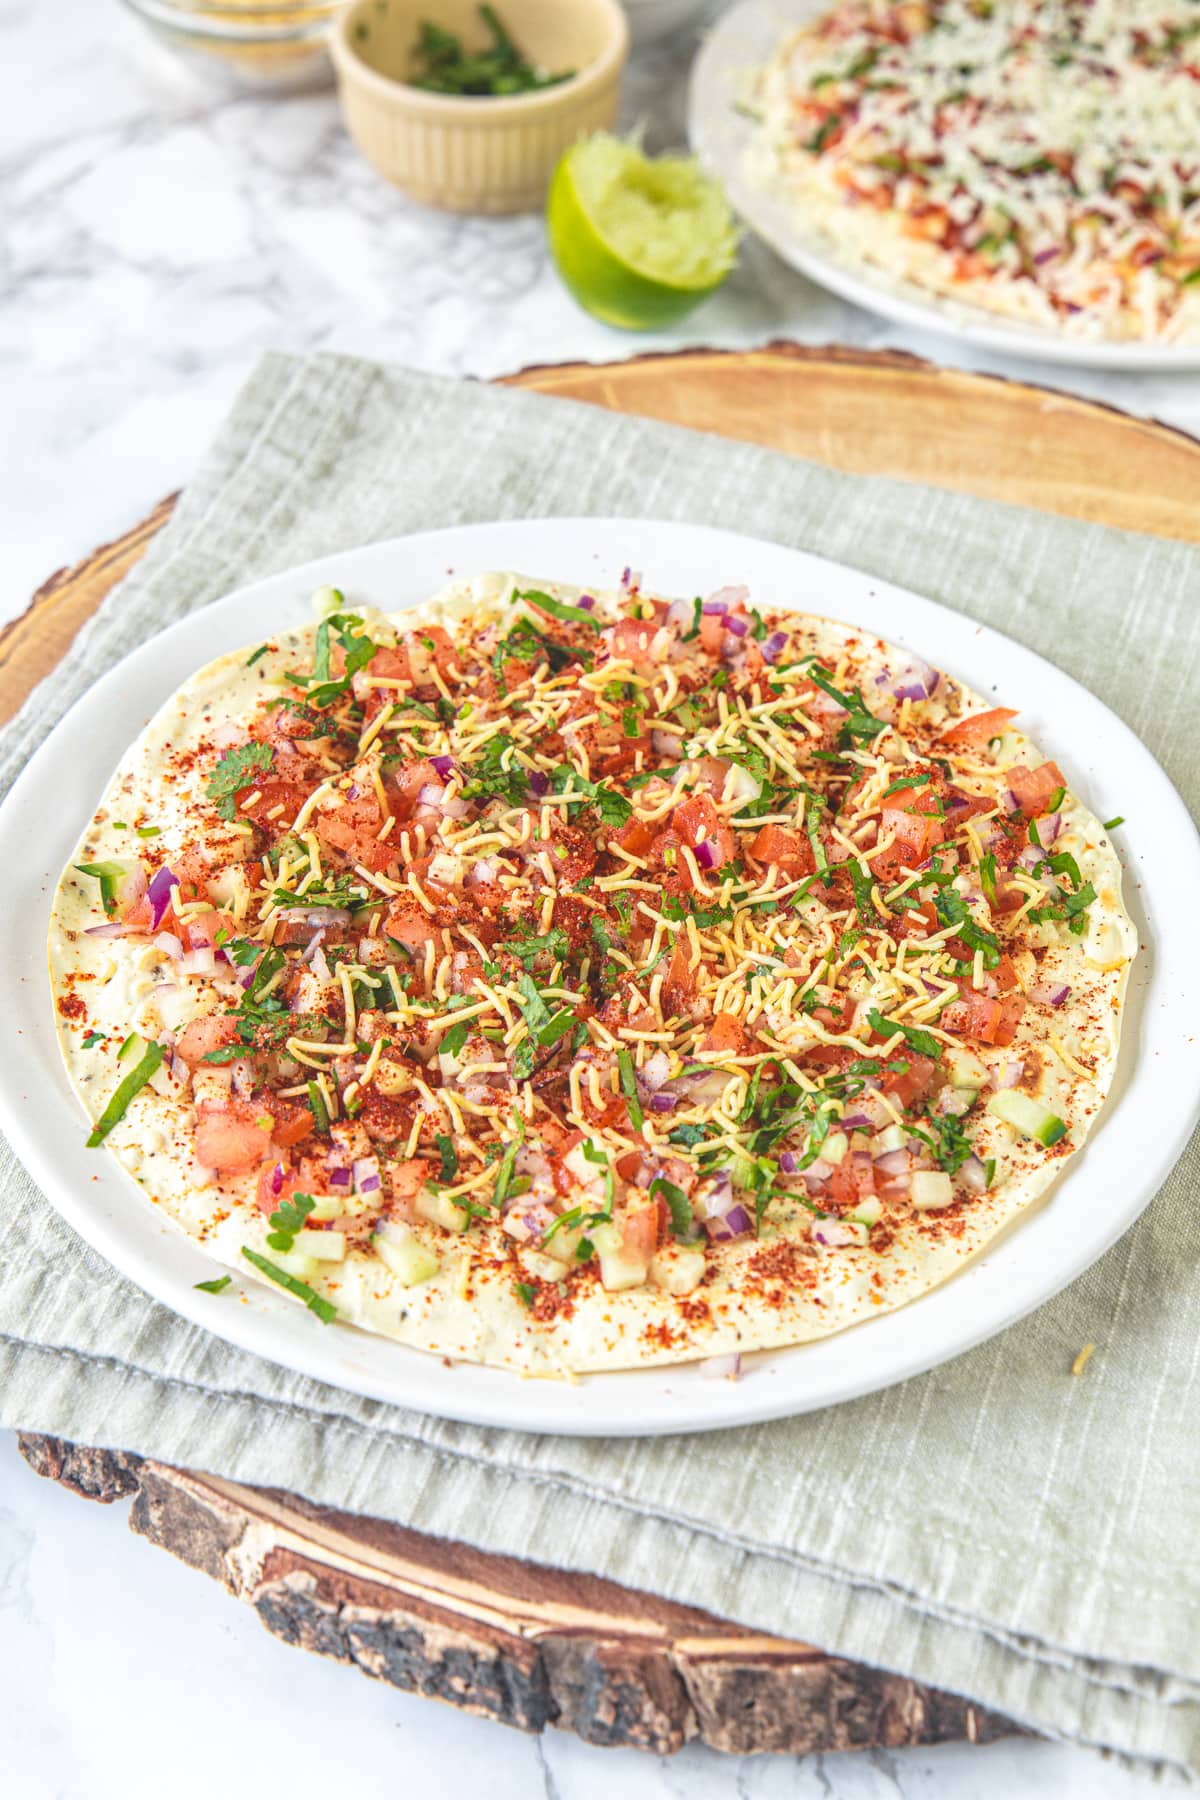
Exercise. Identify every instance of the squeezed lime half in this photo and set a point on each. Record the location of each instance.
(639, 240)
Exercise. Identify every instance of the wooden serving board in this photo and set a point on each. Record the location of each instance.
(513, 1640)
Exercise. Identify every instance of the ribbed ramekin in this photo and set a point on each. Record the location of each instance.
(477, 155)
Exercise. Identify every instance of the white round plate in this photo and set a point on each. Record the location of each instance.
(741, 41)
(1104, 1189)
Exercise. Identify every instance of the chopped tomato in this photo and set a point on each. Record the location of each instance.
(403, 786)
(918, 830)
(631, 640)
(232, 1136)
(696, 820)
(680, 983)
(853, 1180)
(907, 1086)
(712, 633)
(726, 1034)
(1034, 789)
(976, 1016)
(980, 727)
(639, 1230)
(791, 853)
(635, 837)
(293, 1122)
(352, 830)
(202, 1036)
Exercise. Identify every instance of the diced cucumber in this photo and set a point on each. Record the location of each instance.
(835, 1147)
(433, 1205)
(400, 1250)
(294, 1262)
(617, 1269)
(965, 1071)
(892, 1137)
(565, 1242)
(1027, 1115)
(931, 1189)
(322, 1246)
(343, 1206)
(677, 1271)
(870, 1212)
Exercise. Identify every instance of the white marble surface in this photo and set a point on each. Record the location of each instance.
(154, 239)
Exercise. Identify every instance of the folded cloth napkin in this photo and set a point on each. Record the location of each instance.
(996, 1527)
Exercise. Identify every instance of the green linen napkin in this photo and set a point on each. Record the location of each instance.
(997, 1527)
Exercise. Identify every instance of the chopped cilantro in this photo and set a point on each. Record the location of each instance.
(558, 609)
(238, 768)
(1111, 824)
(324, 1309)
(133, 1084)
(449, 1156)
(454, 1039)
(216, 1286)
(679, 1206)
(526, 947)
(287, 1219)
(908, 781)
(630, 1090)
(923, 1042)
(526, 1293)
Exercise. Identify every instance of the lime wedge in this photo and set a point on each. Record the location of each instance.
(638, 240)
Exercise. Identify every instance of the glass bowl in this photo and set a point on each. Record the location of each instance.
(280, 45)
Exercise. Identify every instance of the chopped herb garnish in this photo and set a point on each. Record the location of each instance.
(324, 1309)
(526, 1293)
(558, 609)
(110, 875)
(216, 1286)
(923, 1042)
(1111, 824)
(238, 769)
(629, 1089)
(134, 1082)
(449, 1156)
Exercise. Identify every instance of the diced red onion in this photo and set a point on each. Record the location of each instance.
(277, 1175)
(738, 625)
(916, 682)
(655, 1071)
(169, 944)
(444, 766)
(1009, 1074)
(587, 601)
(539, 783)
(789, 1163)
(725, 597)
(680, 614)
(354, 790)
(366, 1175)
(1010, 802)
(1045, 256)
(241, 1076)
(714, 608)
(894, 1162)
(717, 1196)
(1049, 826)
(314, 944)
(431, 794)
(104, 931)
(320, 966)
(973, 1175)
(735, 1223)
(159, 895)
(665, 743)
(341, 1177)
(853, 1121)
(836, 1233)
(705, 855)
(721, 1368)
(315, 915)
(774, 646)
(1049, 993)
(663, 1103)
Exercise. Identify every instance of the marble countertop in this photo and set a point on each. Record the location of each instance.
(157, 237)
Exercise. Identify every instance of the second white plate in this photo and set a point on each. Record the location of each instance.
(741, 41)
(1103, 1190)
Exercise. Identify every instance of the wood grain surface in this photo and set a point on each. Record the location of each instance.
(870, 412)
(512, 1640)
(527, 1646)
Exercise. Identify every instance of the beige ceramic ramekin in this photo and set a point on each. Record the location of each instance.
(477, 155)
